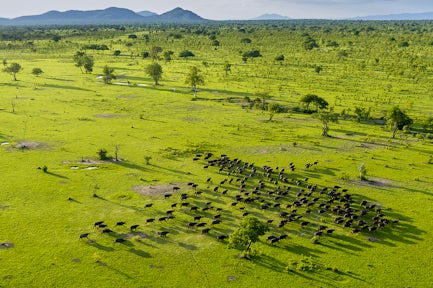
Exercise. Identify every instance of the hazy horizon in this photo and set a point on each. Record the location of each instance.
(230, 10)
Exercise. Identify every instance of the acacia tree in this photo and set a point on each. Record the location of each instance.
(194, 78)
(397, 119)
(81, 59)
(154, 52)
(167, 55)
(107, 74)
(326, 118)
(248, 233)
(13, 69)
(319, 102)
(154, 70)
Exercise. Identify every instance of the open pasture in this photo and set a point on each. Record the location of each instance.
(62, 118)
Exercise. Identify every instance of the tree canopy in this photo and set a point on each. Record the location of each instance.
(319, 102)
(107, 74)
(249, 231)
(194, 78)
(397, 119)
(13, 69)
(154, 70)
(81, 59)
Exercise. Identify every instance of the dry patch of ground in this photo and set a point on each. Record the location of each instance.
(30, 145)
(155, 190)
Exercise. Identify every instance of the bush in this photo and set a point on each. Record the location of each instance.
(306, 264)
(186, 53)
(102, 153)
(37, 71)
(44, 169)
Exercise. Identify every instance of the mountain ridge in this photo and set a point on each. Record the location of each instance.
(111, 15)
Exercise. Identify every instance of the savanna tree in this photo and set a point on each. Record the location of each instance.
(167, 55)
(319, 102)
(194, 78)
(37, 71)
(397, 119)
(13, 69)
(326, 118)
(185, 54)
(107, 74)
(154, 52)
(249, 231)
(81, 59)
(154, 70)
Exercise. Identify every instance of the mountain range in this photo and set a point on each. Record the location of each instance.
(404, 16)
(116, 15)
(111, 15)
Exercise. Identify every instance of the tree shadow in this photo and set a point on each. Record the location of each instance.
(187, 246)
(100, 247)
(128, 165)
(140, 253)
(66, 87)
(56, 175)
(269, 262)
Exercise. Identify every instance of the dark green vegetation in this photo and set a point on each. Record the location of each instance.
(126, 151)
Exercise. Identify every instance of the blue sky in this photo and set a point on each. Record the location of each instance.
(230, 9)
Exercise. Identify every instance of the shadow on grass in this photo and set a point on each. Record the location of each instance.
(56, 175)
(65, 87)
(269, 262)
(140, 253)
(187, 246)
(101, 247)
(128, 165)
(171, 170)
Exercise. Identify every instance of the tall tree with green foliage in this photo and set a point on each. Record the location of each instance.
(194, 78)
(248, 233)
(397, 119)
(81, 59)
(107, 74)
(13, 69)
(167, 55)
(154, 70)
(326, 118)
(319, 102)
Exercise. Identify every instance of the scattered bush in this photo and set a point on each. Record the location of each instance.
(102, 153)
(305, 264)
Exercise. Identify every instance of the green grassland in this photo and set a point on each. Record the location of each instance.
(63, 117)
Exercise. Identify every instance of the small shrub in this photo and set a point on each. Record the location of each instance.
(102, 153)
(44, 169)
(344, 177)
(147, 159)
(37, 71)
(306, 264)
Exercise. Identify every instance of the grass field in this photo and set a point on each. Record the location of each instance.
(63, 117)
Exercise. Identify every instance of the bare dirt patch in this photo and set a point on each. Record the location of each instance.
(155, 190)
(107, 115)
(30, 145)
(126, 97)
(375, 182)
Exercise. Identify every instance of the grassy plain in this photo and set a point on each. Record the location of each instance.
(64, 116)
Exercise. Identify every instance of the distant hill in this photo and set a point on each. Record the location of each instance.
(404, 16)
(271, 17)
(111, 15)
(147, 13)
(177, 15)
